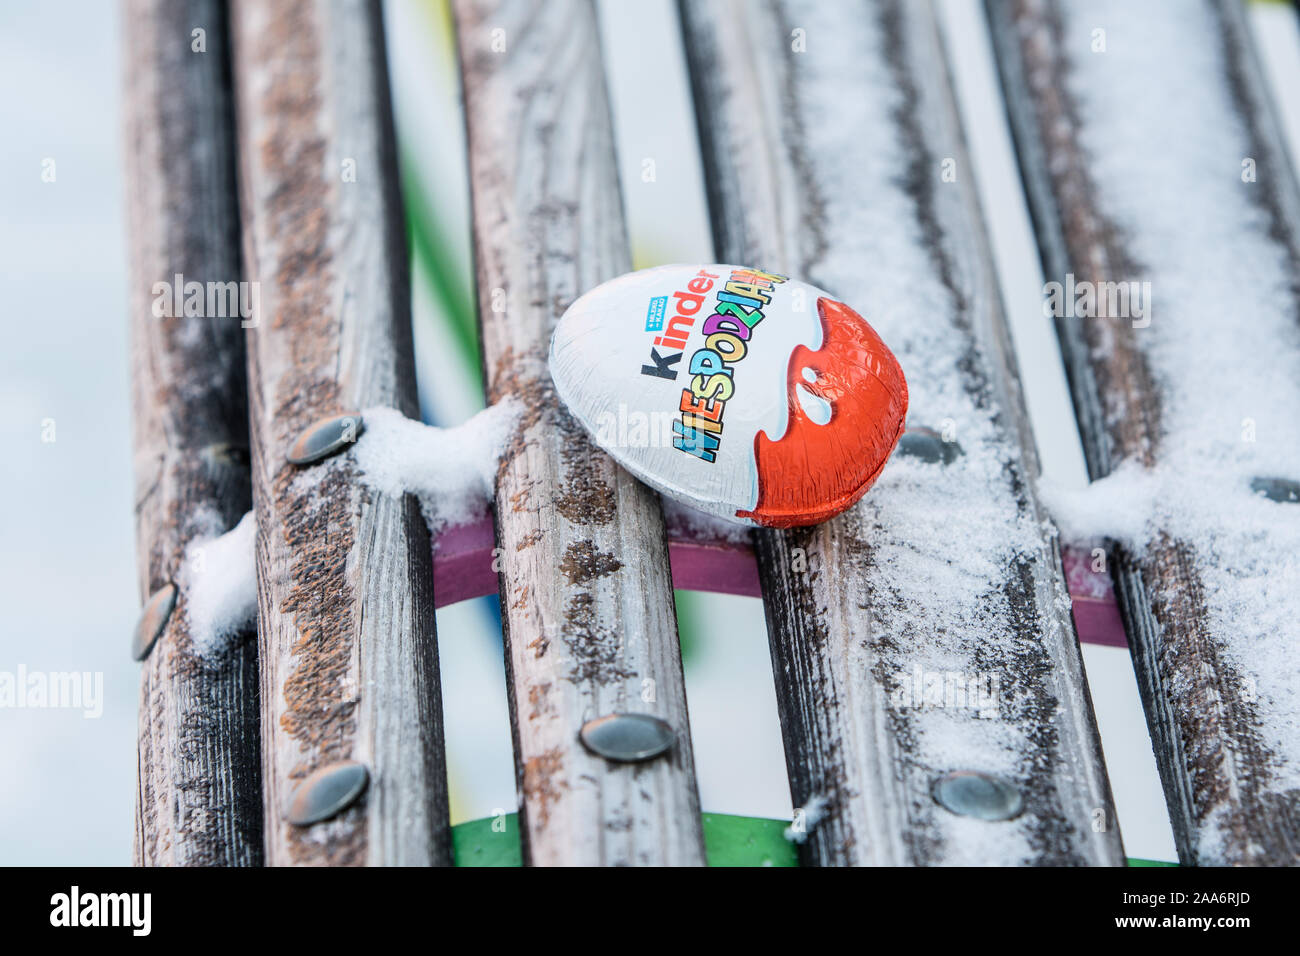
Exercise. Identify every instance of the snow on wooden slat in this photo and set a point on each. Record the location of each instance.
(348, 653)
(586, 596)
(1152, 155)
(199, 795)
(826, 129)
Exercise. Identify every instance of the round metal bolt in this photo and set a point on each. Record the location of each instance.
(928, 445)
(153, 619)
(329, 436)
(327, 792)
(969, 793)
(1283, 490)
(627, 738)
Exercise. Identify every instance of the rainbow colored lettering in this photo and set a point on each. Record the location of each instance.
(740, 304)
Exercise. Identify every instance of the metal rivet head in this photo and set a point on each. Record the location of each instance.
(327, 792)
(928, 445)
(627, 737)
(969, 793)
(329, 436)
(1277, 489)
(153, 619)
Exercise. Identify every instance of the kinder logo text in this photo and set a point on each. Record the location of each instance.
(727, 330)
(102, 909)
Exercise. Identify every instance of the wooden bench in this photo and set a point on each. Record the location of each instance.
(829, 134)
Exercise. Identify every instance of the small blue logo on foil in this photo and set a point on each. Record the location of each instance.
(654, 317)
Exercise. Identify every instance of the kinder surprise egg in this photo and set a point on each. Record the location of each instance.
(743, 393)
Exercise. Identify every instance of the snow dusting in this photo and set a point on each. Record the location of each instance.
(944, 539)
(1167, 146)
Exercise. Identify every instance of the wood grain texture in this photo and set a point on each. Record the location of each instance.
(199, 795)
(1207, 723)
(586, 597)
(826, 163)
(348, 652)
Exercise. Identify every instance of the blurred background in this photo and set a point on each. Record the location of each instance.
(67, 565)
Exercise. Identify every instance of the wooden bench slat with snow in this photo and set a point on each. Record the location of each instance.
(586, 594)
(344, 577)
(1152, 157)
(199, 794)
(829, 164)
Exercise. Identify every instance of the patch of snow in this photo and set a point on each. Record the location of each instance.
(1119, 507)
(807, 818)
(219, 580)
(452, 471)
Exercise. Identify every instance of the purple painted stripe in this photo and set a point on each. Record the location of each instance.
(1096, 615)
(462, 569)
(462, 563)
(725, 568)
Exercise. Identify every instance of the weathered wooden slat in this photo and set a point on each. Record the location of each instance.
(827, 131)
(348, 652)
(199, 796)
(1150, 154)
(586, 596)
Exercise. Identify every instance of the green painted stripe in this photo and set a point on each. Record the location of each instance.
(492, 841)
(427, 237)
(728, 840)
(689, 623)
(747, 841)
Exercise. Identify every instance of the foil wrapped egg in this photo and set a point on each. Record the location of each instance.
(742, 393)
